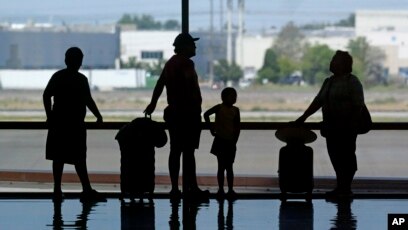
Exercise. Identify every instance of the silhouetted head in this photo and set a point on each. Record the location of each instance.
(73, 58)
(229, 96)
(184, 44)
(341, 63)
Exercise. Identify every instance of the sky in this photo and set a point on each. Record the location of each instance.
(259, 14)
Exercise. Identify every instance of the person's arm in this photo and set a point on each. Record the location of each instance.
(47, 95)
(237, 126)
(158, 89)
(314, 106)
(207, 115)
(357, 95)
(90, 103)
(94, 109)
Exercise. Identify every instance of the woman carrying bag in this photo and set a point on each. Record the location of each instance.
(341, 98)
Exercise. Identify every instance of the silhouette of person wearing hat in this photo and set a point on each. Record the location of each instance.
(66, 139)
(183, 113)
(341, 98)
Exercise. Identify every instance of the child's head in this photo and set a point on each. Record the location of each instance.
(229, 96)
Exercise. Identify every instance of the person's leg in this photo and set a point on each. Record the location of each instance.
(174, 168)
(341, 150)
(82, 172)
(332, 149)
(57, 169)
(220, 175)
(230, 177)
(189, 165)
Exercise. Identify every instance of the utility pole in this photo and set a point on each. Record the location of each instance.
(229, 31)
(211, 54)
(184, 16)
(241, 9)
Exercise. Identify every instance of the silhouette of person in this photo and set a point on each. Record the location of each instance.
(183, 113)
(66, 97)
(341, 98)
(226, 132)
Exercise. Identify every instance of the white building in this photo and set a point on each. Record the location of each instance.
(146, 46)
(387, 30)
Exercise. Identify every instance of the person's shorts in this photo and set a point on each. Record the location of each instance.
(225, 150)
(184, 130)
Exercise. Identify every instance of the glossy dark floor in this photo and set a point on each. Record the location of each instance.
(162, 214)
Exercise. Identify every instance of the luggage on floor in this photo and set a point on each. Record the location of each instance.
(296, 160)
(296, 169)
(137, 141)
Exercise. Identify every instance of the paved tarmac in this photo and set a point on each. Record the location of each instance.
(381, 154)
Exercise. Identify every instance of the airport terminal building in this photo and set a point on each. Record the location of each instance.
(34, 46)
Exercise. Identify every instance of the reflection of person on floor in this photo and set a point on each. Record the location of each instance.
(344, 218)
(228, 221)
(341, 99)
(66, 97)
(226, 132)
(174, 221)
(80, 223)
(183, 113)
(190, 208)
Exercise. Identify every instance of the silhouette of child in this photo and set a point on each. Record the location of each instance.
(226, 132)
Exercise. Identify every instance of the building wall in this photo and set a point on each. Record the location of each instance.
(46, 49)
(252, 52)
(134, 42)
(381, 20)
(387, 30)
(102, 79)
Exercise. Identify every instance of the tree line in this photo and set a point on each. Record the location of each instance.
(291, 52)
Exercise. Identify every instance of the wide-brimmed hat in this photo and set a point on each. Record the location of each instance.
(183, 39)
(295, 133)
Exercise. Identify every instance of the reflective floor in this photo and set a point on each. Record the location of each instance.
(162, 214)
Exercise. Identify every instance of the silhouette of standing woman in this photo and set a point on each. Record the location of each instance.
(66, 139)
(341, 99)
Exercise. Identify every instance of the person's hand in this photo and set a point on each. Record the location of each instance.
(300, 120)
(212, 131)
(99, 119)
(149, 109)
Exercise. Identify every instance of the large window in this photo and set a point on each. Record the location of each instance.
(276, 53)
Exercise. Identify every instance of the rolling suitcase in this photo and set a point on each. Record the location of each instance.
(296, 170)
(137, 141)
